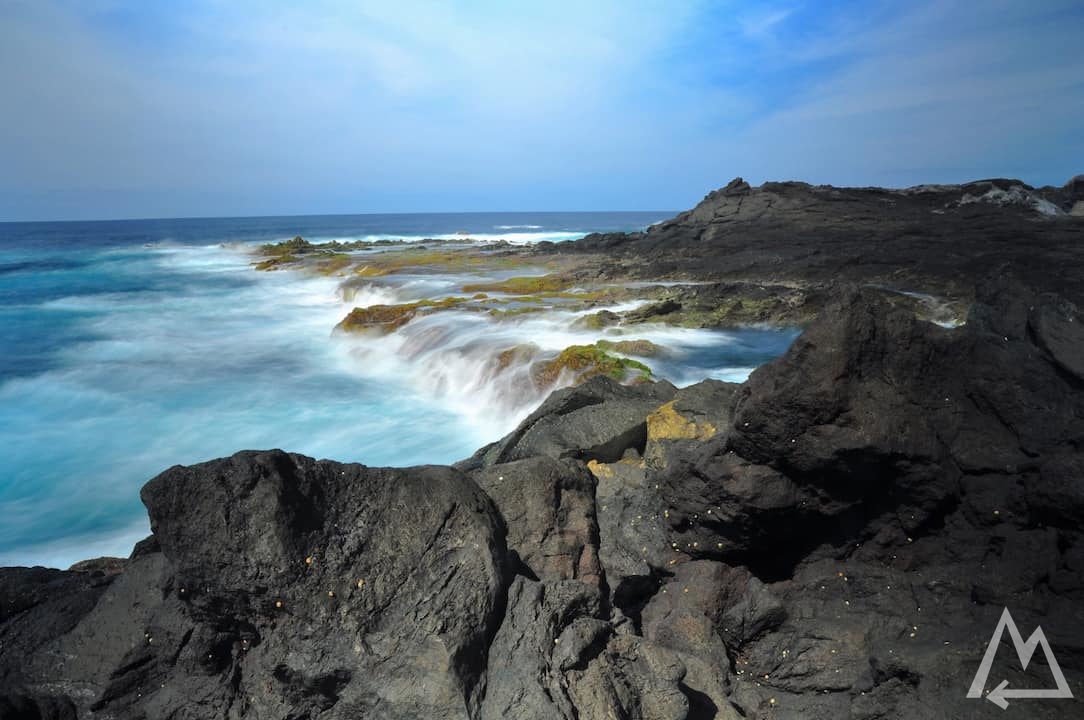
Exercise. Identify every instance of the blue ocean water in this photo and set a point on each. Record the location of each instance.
(130, 346)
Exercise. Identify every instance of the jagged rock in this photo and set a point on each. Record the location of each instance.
(737, 186)
(549, 508)
(288, 586)
(698, 412)
(522, 679)
(635, 547)
(922, 238)
(598, 420)
(653, 310)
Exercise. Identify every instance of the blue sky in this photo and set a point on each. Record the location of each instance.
(140, 108)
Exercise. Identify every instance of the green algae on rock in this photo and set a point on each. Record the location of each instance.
(639, 348)
(523, 285)
(587, 361)
(274, 263)
(385, 319)
(297, 246)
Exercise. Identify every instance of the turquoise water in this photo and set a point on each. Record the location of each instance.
(128, 347)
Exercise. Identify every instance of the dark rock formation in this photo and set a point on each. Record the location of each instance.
(283, 587)
(937, 239)
(836, 537)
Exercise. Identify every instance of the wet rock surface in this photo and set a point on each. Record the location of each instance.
(839, 536)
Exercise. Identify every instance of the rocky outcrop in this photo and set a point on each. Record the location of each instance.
(279, 586)
(836, 537)
(937, 239)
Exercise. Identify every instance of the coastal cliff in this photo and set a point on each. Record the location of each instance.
(837, 535)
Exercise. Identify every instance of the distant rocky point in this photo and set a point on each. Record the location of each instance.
(936, 239)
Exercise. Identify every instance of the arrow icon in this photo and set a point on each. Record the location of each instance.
(997, 697)
(999, 694)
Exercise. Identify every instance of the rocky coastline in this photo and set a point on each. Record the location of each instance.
(838, 535)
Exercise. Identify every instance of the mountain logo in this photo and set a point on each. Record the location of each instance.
(1024, 650)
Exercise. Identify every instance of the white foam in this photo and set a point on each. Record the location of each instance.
(505, 234)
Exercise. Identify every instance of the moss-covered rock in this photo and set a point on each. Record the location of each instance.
(505, 313)
(366, 270)
(728, 306)
(297, 246)
(385, 319)
(599, 320)
(333, 263)
(639, 348)
(528, 285)
(587, 361)
(516, 355)
(274, 263)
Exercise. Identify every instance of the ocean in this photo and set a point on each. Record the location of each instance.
(127, 347)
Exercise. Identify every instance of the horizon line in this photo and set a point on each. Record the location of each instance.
(335, 214)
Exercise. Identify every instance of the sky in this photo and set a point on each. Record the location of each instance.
(154, 108)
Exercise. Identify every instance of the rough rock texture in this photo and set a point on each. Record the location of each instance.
(836, 537)
(283, 587)
(932, 238)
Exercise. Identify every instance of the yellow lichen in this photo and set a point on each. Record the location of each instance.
(667, 423)
(600, 470)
